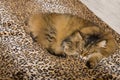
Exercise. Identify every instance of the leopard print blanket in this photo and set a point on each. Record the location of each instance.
(23, 59)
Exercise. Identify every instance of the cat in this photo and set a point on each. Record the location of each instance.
(66, 34)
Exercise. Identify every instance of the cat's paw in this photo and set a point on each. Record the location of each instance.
(63, 55)
(93, 60)
(91, 63)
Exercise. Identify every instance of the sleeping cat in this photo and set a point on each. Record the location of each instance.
(65, 34)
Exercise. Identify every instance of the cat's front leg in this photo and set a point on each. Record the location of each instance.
(94, 59)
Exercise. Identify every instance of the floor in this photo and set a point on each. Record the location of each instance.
(107, 10)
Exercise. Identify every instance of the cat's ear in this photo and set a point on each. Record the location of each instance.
(78, 36)
(102, 44)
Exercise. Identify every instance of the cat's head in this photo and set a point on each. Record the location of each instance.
(73, 44)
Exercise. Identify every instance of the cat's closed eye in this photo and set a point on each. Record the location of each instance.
(77, 44)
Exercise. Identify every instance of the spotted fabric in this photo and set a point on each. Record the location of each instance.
(23, 59)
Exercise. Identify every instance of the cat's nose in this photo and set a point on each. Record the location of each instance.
(61, 54)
